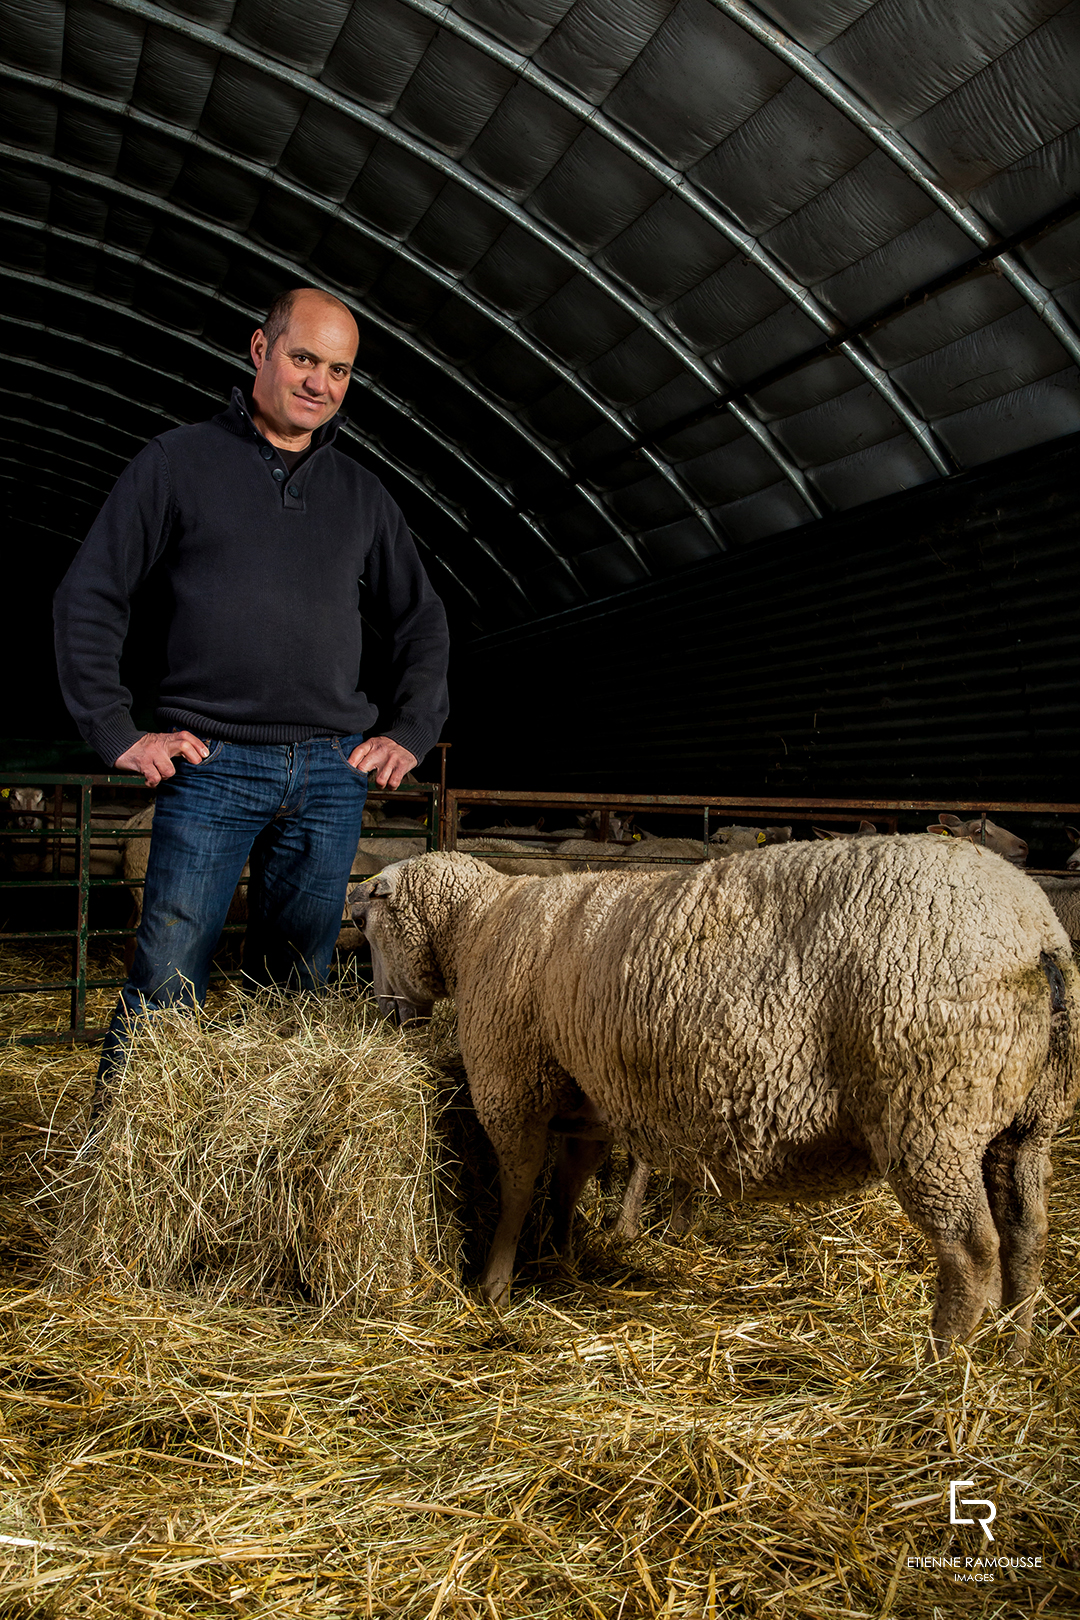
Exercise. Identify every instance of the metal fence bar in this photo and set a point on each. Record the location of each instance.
(765, 808)
(764, 802)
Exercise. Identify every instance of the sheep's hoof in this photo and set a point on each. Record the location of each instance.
(494, 1292)
(1017, 1352)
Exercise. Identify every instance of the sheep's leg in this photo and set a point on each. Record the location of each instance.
(966, 1246)
(1016, 1171)
(628, 1224)
(579, 1158)
(520, 1156)
(682, 1208)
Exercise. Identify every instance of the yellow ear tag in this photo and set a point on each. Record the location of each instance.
(761, 837)
(637, 838)
(5, 793)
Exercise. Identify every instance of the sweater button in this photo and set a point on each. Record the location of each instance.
(279, 474)
(266, 453)
(294, 492)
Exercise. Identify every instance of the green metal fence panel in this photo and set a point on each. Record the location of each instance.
(79, 837)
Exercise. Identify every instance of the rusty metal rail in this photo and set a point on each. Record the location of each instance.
(885, 812)
(55, 839)
(444, 806)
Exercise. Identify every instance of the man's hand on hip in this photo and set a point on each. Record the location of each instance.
(388, 760)
(153, 754)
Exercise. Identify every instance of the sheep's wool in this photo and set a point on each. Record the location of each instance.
(790, 1022)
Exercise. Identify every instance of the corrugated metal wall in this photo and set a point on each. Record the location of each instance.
(925, 646)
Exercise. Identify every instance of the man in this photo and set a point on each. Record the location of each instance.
(266, 533)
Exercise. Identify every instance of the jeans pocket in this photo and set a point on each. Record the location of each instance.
(216, 750)
(336, 743)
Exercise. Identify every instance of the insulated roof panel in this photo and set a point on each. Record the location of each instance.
(637, 280)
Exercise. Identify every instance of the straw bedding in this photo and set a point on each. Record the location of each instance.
(745, 1425)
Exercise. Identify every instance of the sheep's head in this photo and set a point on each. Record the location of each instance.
(737, 837)
(620, 826)
(406, 975)
(999, 839)
(25, 807)
(865, 829)
(1073, 836)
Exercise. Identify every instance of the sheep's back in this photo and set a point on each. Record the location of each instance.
(800, 994)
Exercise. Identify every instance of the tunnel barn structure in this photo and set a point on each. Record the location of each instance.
(722, 356)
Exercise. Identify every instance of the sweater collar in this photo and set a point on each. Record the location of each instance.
(236, 418)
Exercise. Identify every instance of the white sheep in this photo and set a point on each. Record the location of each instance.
(23, 807)
(987, 835)
(736, 837)
(794, 1023)
(647, 854)
(531, 834)
(865, 829)
(1063, 894)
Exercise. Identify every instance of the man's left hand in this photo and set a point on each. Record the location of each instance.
(387, 760)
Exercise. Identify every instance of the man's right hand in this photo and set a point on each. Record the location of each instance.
(153, 754)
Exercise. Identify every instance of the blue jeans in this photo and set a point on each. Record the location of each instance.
(295, 811)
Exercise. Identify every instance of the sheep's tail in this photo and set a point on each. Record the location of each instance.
(1055, 1095)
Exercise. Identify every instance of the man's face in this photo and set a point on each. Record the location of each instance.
(301, 383)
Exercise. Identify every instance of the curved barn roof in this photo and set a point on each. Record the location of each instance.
(637, 280)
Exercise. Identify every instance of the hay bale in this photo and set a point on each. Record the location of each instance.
(286, 1146)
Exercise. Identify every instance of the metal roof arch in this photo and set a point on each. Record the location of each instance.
(108, 249)
(683, 187)
(162, 205)
(916, 167)
(519, 216)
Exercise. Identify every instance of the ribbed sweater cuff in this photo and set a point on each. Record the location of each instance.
(410, 734)
(114, 737)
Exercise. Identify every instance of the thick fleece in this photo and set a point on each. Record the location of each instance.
(793, 1023)
(1064, 895)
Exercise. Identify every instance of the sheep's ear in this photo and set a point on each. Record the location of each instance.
(942, 832)
(376, 888)
(953, 823)
(866, 828)
(1073, 835)
(820, 832)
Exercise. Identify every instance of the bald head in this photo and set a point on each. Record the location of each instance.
(280, 312)
(303, 358)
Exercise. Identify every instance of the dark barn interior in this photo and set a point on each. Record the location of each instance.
(722, 357)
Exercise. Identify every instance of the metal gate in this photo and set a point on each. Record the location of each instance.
(67, 841)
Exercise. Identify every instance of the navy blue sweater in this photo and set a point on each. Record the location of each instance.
(264, 638)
